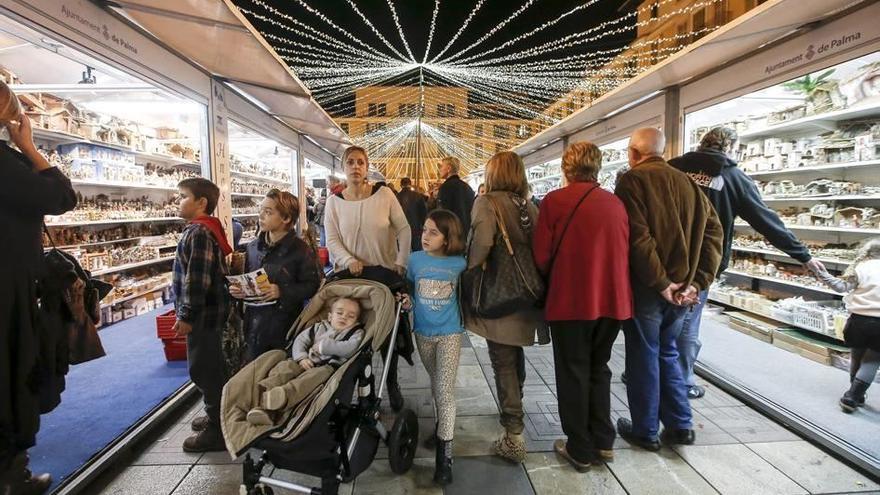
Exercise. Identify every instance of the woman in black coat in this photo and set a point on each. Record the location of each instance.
(293, 275)
(29, 189)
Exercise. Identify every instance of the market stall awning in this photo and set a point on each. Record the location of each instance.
(214, 35)
(764, 24)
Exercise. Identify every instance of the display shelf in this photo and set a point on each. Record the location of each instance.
(766, 315)
(136, 295)
(782, 282)
(123, 185)
(129, 266)
(814, 168)
(545, 178)
(246, 215)
(804, 199)
(248, 195)
(835, 261)
(60, 137)
(815, 122)
(615, 163)
(261, 177)
(246, 240)
(112, 222)
(821, 229)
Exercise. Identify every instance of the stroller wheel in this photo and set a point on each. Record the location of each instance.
(261, 490)
(402, 441)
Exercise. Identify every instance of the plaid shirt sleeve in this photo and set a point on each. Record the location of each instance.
(197, 275)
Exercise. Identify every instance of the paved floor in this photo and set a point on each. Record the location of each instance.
(738, 451)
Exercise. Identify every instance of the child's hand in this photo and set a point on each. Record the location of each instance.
(406, 300)
(271, 292)
(306, 364)
(235, 291)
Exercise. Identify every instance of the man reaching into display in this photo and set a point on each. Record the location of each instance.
(732, 194)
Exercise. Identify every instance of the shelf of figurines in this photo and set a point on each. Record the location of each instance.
(822, 168)
(102, 210)
(136, 298)
(798, 122)
(823, 317)
(287, 181)
(760, 269)
(246, 215)
(130, 266)
(786, 259)
(183, 155)
(823, 217)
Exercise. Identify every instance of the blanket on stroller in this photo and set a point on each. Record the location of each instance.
(242, 392)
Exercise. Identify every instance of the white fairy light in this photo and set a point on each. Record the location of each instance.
(431, 30)
(464, 26)
(400, 30)
(374, 30)
(494, 29)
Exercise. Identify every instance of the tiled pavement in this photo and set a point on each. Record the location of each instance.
(738, 451)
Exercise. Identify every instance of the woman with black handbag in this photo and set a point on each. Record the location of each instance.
(31, 188)
(502, 289)
(582, 246)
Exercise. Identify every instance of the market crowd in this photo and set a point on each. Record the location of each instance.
(590, 263)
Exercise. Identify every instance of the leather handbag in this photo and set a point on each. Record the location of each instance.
(508, 280)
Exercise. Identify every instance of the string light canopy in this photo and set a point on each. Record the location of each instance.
(464, 81)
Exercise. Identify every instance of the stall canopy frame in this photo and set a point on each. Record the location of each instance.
(768, 23)
(215, 36)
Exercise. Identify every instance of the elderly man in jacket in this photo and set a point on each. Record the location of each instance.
(455, 194)
(675, 249)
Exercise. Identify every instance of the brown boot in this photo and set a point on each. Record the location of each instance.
(208, 440)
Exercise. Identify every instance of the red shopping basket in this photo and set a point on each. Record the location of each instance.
(324, 256)
(165, 325)
(175, 349)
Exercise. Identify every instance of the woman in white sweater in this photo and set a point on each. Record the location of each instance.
(365, 224)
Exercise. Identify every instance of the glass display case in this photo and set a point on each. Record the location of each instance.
(125, 144)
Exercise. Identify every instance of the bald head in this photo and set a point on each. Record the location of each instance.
(645, 143)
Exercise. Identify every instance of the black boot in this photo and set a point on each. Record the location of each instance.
(21, 481)
(855, 396)
(443, 463)
(431, 441)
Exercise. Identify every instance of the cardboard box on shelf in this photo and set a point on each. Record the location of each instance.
(128, 313)
(819, 358)
(117, 316)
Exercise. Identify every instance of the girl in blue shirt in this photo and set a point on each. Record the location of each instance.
(434, 274)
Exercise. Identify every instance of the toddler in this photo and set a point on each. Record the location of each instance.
(861, 282)
(315, 355)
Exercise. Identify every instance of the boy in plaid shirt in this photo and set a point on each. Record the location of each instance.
(202, 304)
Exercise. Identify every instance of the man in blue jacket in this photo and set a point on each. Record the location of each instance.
(733, 194)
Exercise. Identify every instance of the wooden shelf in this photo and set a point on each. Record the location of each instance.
(247, 195)
(815, 122)
(768, 316)
(835, 261)
(123, 185)
(822, 229)
(67, 138)
(262, 177)
(783, 282)
(814, 168)
(130, 266)
(111, 222)
(135, 296)
(811, 199)
(245, 215)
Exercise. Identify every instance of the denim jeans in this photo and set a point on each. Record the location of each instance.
(655, 386)
(689, 340)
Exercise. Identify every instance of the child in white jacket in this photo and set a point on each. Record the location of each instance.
(315, 355)
(861, 282)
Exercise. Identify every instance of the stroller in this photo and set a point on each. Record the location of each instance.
(328, 435)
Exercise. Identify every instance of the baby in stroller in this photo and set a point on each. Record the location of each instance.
(315, 355)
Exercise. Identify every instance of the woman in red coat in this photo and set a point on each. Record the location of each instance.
(581, 245)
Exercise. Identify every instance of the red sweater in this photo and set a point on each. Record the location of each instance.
(590, 277)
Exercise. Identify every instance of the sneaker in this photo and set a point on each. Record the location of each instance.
(200, 423)
(696, 392)
(624, 428)
(208, 440)
(854, 397)
(511, 447)
(605, 455)
(562, 451)
(678, 437)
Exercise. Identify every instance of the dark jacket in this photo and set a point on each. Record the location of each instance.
(415, 207)
(290, 264)
(675, 235)
(733, 194)
(458, 197)
(24, 198)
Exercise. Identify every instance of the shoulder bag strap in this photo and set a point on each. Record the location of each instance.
(500, 221)
(46, 231)
(565, 229)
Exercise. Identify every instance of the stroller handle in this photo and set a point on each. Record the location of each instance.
(385, 276)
